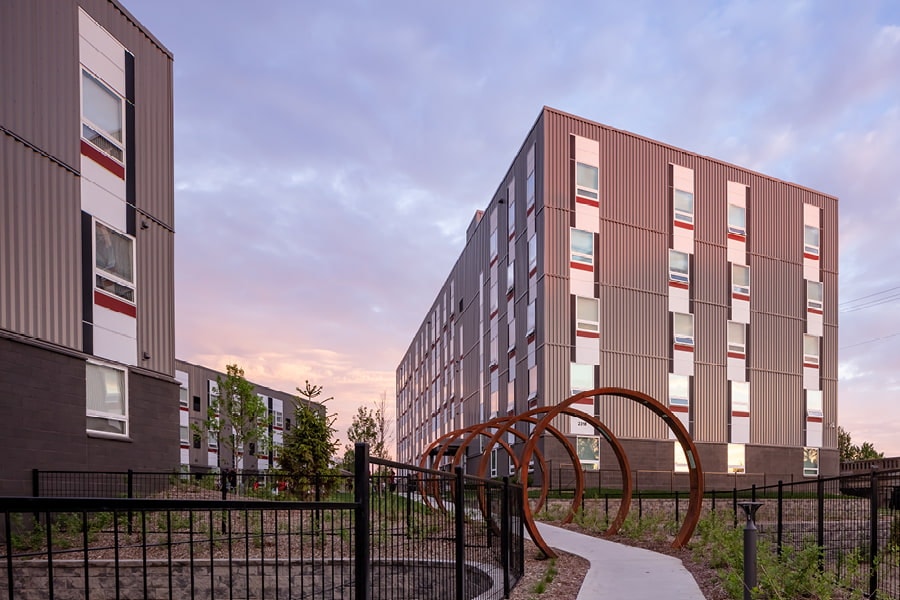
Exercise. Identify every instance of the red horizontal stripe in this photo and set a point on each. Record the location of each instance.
(494, 367)
(511, 353)
(102, 159)
(532, 272)
(511, 295)
(530, 210)
(184, 408)
(512, 234)
(684, 348)
(684, 225)
(113, 303)
(493, 314)
(810, 365)
(678, 408)
(679, 284)
(814, 311)
(587, 201)
(587, 334)
(214, 451)
(737, 237)
(582, 266)
(813, 419)
(810, 256)
(736, 355)
(185, 446)
(741, 297)
(740, 413)
(493, 260)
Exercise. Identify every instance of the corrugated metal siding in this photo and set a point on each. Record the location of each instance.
(775, 344)
(710, 275)
(155, 298)
(777, 288)
(710, 334)
(40, 247)
(710, 403)
(39, 70)
(776, 408)
(632, 257)
(640, 373)
(634, 322)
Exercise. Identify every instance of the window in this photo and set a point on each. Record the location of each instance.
(737, 220)
(683, 329)
(814, 404)
(679, 390)
(740, 398)
(183, 397)
(679, 268)
(196, 440)
(510, 276)
(532, 383)
(582, 248)
(737, 343)
(107, 402)
(530, 319)
(185, 436)
(114, 254)
(810, 351)
(493, 246)
(587, 181)
(279, 419)
(683, 205)
(588, 450)
(493, 462)
(529, 184)
(814, 302)
(681, 462)
(532, 254)
(737, 462)
(197, 403)
(587, 318)
(287, 424)
(581, 378)
(811, 241)
(740, 282)
(810, 462)
(511, 211)
(101, 113)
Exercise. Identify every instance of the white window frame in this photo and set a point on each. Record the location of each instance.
(679, 213)
(737, 343)
(680, 337)
(530, 318)
(577, 371)
(279, 419)
(493, 462)
(184, 434)
(99, 414)
(814, 403)
(812, 247)
(532, 383)
(113, 278)
(510, 276)
(812, 303)
(677, 400)
(582, 323)
(532, 253)
(493, 245)
(589, 189)
(733, 225)
(811, 359)
(740, 288)
(676, 274)
(738, 467)
(579, 256)
(740, 402)
(102, 132)
(813, 453)
(183, 397)
(591, 464)
(530, 188)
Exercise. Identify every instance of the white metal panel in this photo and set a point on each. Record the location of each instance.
(682, 362)
(737, 252)
(814, 434)
(581, 283)
(740, 430)
(812, 215)
(737, 369)
(587, 217)
(811, 378)
(100, 203)
(737, 194)
(587, 350)
(683, 240)
(100, 176)
(740, 310)
(185, 457)
(101, 53)
(814, 325)
(683, 178)
(679, 300)
(811, 269)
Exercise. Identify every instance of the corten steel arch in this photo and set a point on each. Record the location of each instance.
(608, 435)
(494, 439)
(447, 438)
(687, 444)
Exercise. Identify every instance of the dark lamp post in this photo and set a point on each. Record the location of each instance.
(750, 536)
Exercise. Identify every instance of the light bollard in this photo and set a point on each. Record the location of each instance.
(750, 537)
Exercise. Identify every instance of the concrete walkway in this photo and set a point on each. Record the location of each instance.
(619, 571)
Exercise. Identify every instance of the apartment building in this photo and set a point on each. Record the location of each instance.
(202, 450)
(87, 353)
(608, 259)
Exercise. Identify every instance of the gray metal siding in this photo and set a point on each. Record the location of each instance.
(40, 247)
(155, 298)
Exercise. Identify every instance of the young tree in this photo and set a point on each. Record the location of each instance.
(237, 417)
(310, 445)
(850, 451)
(369, 426)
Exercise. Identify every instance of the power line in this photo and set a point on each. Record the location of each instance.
(871, 303)
(873, 340)
(869, 295)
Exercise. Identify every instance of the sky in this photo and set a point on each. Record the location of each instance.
(329, 156)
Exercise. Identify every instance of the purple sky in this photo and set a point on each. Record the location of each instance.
(329, 156)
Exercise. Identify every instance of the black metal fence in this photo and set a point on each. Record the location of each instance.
(388, 531)
(854, 520)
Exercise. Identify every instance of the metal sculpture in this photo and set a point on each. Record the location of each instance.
(497, 428)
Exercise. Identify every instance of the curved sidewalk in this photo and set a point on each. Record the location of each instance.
(619, 571)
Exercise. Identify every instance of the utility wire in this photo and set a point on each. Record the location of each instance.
(870, 295)
(871, 303)
(873, 340)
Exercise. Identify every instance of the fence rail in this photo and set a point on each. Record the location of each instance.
(372, 535)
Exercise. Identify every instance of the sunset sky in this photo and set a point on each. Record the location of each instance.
(329, 156)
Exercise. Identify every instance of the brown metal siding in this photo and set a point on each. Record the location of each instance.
(40, 247)
(710, 403)
(39, 70)
(776, 408)
(155, 298)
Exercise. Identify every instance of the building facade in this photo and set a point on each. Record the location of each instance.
(605, 259)
(87, 353)
(201, 450)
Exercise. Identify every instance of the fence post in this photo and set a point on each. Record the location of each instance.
(361, 499)
(504, 535)
(714, 500)
(676, 507)
(753, 493)
(459, 513)
(873, 535)
(35, 483)
(820, 518)
(780, 515)
(734, 505)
